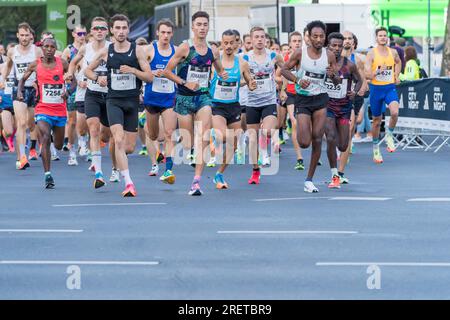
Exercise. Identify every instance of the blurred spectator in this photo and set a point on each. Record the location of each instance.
(412, 69)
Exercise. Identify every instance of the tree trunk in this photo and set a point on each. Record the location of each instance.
(445, 69)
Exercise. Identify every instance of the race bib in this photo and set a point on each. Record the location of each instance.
(198, 74)
(52, 93)
(294, 72)
(94, 86)
(9, 85)
(163, 85)
(225, 91)
(263, 84)
(122, 81)
(385, 75)
(338, 91)
(316, 81)
(21, 68)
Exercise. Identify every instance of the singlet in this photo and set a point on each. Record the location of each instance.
(122, 85)
(50, 89)
(314, 71)
(195, 68)
(383, 77)
(338, 93)
(290, 88)
(81, 92)
(264, 73)
(101, 70)
(21, 63)
(161, 92)
(243, 91)
(227, 91)
(10, 83)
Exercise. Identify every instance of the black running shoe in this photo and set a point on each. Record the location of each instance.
(49, 182)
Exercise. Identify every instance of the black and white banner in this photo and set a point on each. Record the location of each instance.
(425, 104)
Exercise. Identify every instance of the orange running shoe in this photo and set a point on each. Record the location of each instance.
(255, 177)
(33, 155)
(23, 164)
(335, 183)
(130, 191)
(102, 144)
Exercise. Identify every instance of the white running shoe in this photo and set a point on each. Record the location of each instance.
(115, 176)
(310, 187)
(367, 139)
(266, 160)
(154, 171)
(212, 162)
(55, 156)
(84, 151)
(72, 161)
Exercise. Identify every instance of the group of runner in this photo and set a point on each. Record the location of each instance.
(247, 88)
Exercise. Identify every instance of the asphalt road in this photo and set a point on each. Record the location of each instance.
(270, 241)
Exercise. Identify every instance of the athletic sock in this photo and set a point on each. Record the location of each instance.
(308, 179)
(72, 151)
(66, 140)
(334, 172)
(126, 176)
(97, 161)
(375, 142)
(391, 131)
(33, 144)
(48, 173)
(169, 163)
(341, 174)
(22, 150)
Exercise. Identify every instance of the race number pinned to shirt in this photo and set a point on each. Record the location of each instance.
(226, 91)
(122, 81)
(263, 84)
(338, 91)
(163, 85)
(52, 93)
(294, 73)
(95, 86)
(21, 69)
(9, 85)
(198, 74)
(386, 75)
(316, 82)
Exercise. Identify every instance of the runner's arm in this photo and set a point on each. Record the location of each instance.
(365, 86)
(333, 69)
(89, 71)
(398, 66)
(180, 53)
(251, 83)
(218, 65)
(368, 66)
(7, 68)
(76, 60)
(356, 76)
(294, 60)
(73, 83)
(145, 74)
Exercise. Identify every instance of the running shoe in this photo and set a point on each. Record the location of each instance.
(91, 168)
(191, 159)
(368, 138)
(357, 138)
(195, 189)
(335, 183)
(212, 162)
(72, 161)
(219, 181)
(310, 187)
(89, 157)
(115, 176)
(377, 158)
(390, 143)
(99, 180)
(9, 143)
(143, 151)
(160, 157)
(299, 165)
(168, 177)
(289, 130)
(266, 160)
(154, 171)
(102, 144)
(33, 155)
(17, 164)
(343, 180)
(23, 163)
(319, 163)
(55, 156)
(130, 191)
(84, 151)
(66, 146)
(239, 158)
(49, 182)
(352, 148)
(282, 141)
(254, 179)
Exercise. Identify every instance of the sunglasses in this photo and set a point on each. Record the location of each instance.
(99, 28)
(81, 34)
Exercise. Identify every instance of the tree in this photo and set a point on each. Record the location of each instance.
(445, 68)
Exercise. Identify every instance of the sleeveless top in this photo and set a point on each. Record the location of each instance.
(290, 88)
(264, 74)
(161, 92)
(227, 91)
(50, 89)
(21, 63)
(122, 85)
(195, 68)
(313, 71)
(338, 93)
(101, 70)
(383, 77)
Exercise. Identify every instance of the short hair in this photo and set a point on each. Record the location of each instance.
(119, 17)
(293, 34)
(355, 41)
(254, 29)
(236, 33)
(400, 41)
(316, 24)
(165, 22)
(200, 14)
(410, 53)
(25, 26)
(49, 39)
(305, 30)
(141, 41)
(228, 32)
(247, 35)
(377, 30)
(47, 33)
(335, 35)
(98, 19)
(79, 26)
(284, 45)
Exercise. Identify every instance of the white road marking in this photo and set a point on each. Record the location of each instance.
(387, 264)
(108, 204)
(285, 199)
(360, 198)
(284, 232)
(429, 200)
(40, 231)
(50, 262)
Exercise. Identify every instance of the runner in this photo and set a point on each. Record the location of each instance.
(262, 102)
(383, 67)
(51, 107)
(126, 69)
(159, 97)
(95, 99)
(225, 96)
(21, 56)
(289, 95)
(6, 104)
(315, 64)
(194, 59)
(337, 129)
